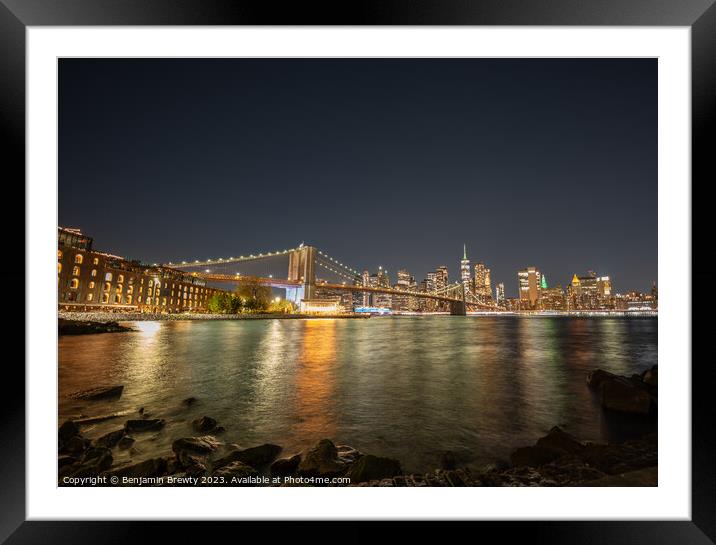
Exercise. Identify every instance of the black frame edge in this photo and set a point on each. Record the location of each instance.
(699, 14)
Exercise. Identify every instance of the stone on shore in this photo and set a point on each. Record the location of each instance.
(369, 468)
(67, 430)
(76, 445)
(555, 444)
(286, 466)
(200, 445)
(110, 439)
(254, 456)
(597, 377)
(236, 469)
(560, 440)
(153, 467)
(102, 392)
(348, 454)
(623, 395)
(145, 424)
(80, 327)
(204, 424)
(125, 442)
(651, 376)
(322, 461)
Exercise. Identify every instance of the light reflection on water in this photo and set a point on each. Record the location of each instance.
(407, 387)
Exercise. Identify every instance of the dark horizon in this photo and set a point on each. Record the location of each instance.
(392, 162)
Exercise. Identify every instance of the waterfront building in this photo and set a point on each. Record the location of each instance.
(590, 292)
(366, 282)
(441, 278)
(552, 298)
(529, 285)
(401, 303)
(91, 280)
(482, 282)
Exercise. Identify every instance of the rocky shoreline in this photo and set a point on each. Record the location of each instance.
(88, 327)
(203, 459)
(114, 317)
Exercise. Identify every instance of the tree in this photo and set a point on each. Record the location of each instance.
(253, 295)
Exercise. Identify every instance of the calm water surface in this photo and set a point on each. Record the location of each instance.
(405, 387)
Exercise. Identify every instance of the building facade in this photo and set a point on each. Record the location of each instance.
(91, 280)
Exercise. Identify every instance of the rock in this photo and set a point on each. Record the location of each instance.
(369, 467)
(348, 454)
(103, 392)
(78, 327)
(597, 377)
(98, 457)
(254, 456)
(286, 466)
(63, 461)
(100, 418)
(148, 424)
(204, 424)
(447, 460)
(189, 401)
(236, 469)
(67, 430)
(125, 442)
(560, 440)
(110, 439)
(192, 465)
(219, 429)
(76, 445)
(651, 376)
(641, 477)
(153, 467)
(200, 445)
(322, 460)
(533, 456)
(623, 395)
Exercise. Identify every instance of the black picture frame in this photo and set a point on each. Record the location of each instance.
(699, 15)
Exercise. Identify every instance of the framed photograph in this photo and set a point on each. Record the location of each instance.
(404, 263)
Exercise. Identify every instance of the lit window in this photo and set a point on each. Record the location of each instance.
(75, 271)
(105, 297)
(94, 272)
(108, 277)
(120, 278)
(118, 298)
(164, 301)
(95, 261)
(90, 296)
(74, 283)
(130, 288)
(107, 286)
(129, 299)
(59, 254)
(78, 259)
(119, 288)
(59, 268)
(91, 285)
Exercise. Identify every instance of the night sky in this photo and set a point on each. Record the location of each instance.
(392, 162)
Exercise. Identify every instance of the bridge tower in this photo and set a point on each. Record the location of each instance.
(458, 308)
(302, 268)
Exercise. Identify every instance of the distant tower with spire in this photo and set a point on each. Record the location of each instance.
(465, 269)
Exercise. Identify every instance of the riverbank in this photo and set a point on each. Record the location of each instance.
(88, 327)
(208, 456)
(114, 317)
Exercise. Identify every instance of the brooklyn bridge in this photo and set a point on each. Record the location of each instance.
(306, 272)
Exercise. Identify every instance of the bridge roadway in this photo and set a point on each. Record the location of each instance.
(321, 284)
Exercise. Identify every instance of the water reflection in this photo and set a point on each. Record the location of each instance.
(409, 387)
(315, 379)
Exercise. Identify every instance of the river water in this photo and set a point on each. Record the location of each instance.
(406, 387)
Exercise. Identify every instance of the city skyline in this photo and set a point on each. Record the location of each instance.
(384, 162)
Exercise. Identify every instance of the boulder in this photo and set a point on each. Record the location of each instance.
(348, 454)
(651, 376)
(533, 456)
(110, 439)
(204, 424)
(76, 445)
(559, 440)
(322, 460)
(67, 430)
(125, 442)
(254, 456)
(192, 465)
(623, 395)
(235, 469)
(146, 424)
(102, 392)
(153, 467)
(63, 461)
(189, 401)
(369, 467)
(286, 466)
(597, 377)
(200, 445)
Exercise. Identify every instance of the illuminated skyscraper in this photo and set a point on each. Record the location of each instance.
(441, 277)
(529, 285)
(465, 270)
(482, 282)
(500, 294)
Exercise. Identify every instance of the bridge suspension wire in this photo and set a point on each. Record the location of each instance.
(224, 260)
